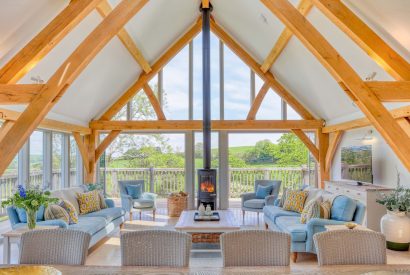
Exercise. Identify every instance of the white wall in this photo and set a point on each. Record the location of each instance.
(384, 159)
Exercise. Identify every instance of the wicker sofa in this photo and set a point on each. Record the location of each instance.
(98, 224)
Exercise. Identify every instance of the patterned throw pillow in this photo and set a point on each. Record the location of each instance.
(295, 200)
(283, 198)
(325, 209)
(310, 211)
(88, 202)
(56, 212)
(72, 214)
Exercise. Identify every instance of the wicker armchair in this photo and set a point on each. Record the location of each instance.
(54, 247)
(255, 248)
(340, 247)
(155, 248)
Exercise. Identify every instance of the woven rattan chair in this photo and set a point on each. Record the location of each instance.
(255, 248)
(54, 246)
(155, 248)
(339, 247)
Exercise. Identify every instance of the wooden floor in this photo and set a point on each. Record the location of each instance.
(108, 252)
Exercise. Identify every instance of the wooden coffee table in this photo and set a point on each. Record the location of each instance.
(207, 231)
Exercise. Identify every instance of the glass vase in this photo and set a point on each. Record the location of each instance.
(31, 218)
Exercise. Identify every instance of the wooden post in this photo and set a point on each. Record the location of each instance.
(323, 144)
(90, 176)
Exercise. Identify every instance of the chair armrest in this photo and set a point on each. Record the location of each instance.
(60, 223)
(110, 203)
(149, 196)
(247, 196)
(270, 200)
(276, 202)
(317, 225)
(126, 202)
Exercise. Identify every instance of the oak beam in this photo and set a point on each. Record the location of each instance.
(18, 93)
(105, 143)
(183, 125)
(390, 91)
(63, 77)
(404, 123)
(91, 142)
(365, 37)
(364, 98)
(266, 77)
(46, 40)
(304, 7)
(205, 4)
(308, 143)
(322, 140)
(104, 8)
(258, 101)
(154, 102)
(158, 65)
(83, 150)
(363, 122)
(47, 124)
(334, 142)
(5, 127)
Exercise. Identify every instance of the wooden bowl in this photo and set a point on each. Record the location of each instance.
(350, 225)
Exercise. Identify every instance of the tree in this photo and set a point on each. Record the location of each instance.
(290, 151)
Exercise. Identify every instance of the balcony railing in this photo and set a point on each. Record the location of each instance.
(163, 181)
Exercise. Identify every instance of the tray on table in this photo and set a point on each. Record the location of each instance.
(213, 218)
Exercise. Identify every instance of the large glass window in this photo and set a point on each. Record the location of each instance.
(8, 182)
(73, 162)
(280, 156)
(158, 159)
(271, 107)
(36, 159)
(57, 154)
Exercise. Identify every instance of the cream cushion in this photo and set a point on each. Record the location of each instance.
(70, 195)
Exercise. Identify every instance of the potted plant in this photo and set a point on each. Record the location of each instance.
(30, 200)
(395, 225)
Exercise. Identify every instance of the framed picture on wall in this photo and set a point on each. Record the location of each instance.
(357, 163)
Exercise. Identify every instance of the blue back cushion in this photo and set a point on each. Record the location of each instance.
(135, 191)
(263, 191)
(343, 209)
(23, 216)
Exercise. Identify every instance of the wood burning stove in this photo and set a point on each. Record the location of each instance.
(207, 187)
(206, 176)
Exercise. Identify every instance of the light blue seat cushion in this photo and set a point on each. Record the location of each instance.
(292, 225)
(89, 225)
(141, 203)
(272, 212)
(109, 214)
(263, 191)
(135, 191)
(343, 209)
(254, 203)
(23, 216)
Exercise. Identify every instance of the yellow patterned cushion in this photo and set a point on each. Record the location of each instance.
(72, 213)
(88, 202)
(295, 200)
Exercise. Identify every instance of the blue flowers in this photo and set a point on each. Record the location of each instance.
(22, 191)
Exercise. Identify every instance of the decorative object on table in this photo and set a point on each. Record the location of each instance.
(32, 270)
(30, 200)
(395, 225)
(208, 210)
(350, 225)
(176, 203)
(214, 216)
(145, 202)
(201, 210)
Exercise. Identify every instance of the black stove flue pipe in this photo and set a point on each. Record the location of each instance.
(206, 83)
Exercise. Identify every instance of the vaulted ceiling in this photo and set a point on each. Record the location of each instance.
(161, 22)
